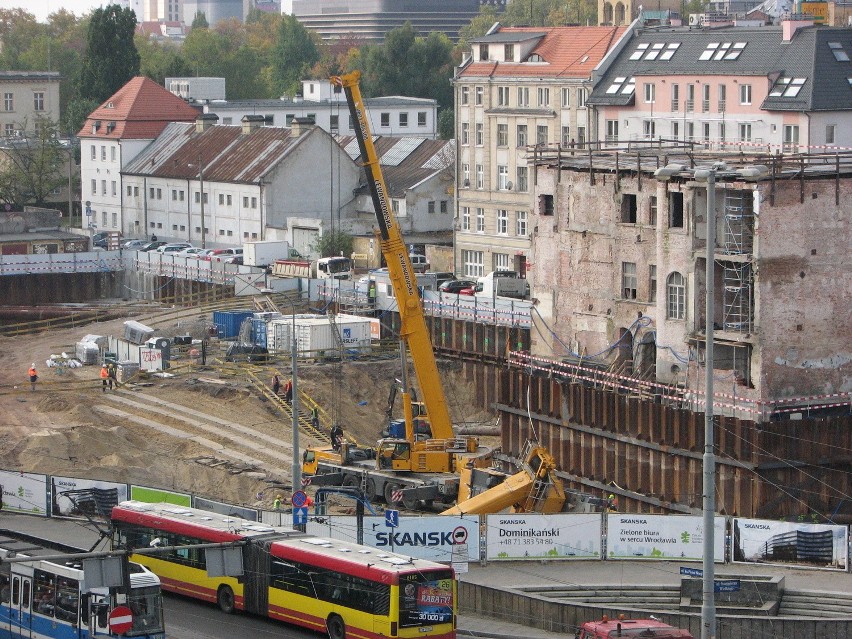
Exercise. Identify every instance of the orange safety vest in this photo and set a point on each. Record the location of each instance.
(32, 372)
(104, 373)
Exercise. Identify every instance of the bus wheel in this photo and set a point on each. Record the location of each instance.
(225, 599)
(336, 628)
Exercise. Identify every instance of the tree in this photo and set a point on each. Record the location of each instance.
(332, 243)
(32, 166)
(111, 58)
(479, 26)
(447, 124)
(160, 60)
(295, 53)
(75, 114)
(199, 21)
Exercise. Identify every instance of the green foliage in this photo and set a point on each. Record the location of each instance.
(446, 124)
(75, 114)
(200, 21)
(295, 52)
(111, 58)
(333, 243)
(33, 166)
(479, 26)
(549, 13)
(160, 60)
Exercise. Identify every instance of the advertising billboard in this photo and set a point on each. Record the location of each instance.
(661, 537)
(531, 536)
(790, 543)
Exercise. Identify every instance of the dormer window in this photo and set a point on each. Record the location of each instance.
(483, 51)
(110, 105)
(509, 52)
(535, 58)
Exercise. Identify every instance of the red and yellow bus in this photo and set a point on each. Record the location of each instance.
(347, 590)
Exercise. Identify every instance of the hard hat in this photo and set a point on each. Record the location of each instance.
(33, 364)
(277, 496)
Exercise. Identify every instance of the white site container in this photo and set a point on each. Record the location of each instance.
(314, 336)
(278, 335)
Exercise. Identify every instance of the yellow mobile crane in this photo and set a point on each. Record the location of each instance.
(411, 468)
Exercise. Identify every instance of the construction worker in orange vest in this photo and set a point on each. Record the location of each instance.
(33, 375)
(104, 377)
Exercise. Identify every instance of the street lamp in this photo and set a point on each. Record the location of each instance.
(708, 175)
(294, 404)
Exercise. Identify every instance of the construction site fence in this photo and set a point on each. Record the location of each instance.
(609, 535)
(40, 264)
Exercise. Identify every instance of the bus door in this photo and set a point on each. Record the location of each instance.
(20, 610)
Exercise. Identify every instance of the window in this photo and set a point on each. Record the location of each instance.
(502, 222)
(690, 98)
(522, 184)
(502, 135)
(521, 223)
(104, 190)
(649, 129)
(523, 96)
(253, 201)
(652, 283)
(94, 155)
(180, 196)
(245, 201)
(566, 135)
(628, 208)
(543, 96)
(509, 52)
(465, 216)
(288, 120)
(174, 194)
(38, 101)
(676, 210)
(689, 133)
(221, 231)
(723, 92)
(502, 177)
(114, 187)
(581, 98)
(444, 206)
(385, 120)
(502, 96)
(675, 97)
(465, 95)
(465, 133)
(395, 206)
(745, 94)
(103, 153)
(334, 122)
(675, 129)
(136, 191)
(403, 119)
(421, 118)
(480, 220)
(483, 51)
(545, 204)
(566, 97)
(628, 280)
(581, 135)
(430, 206)
(522, 135)
(541, 134)
(791, 138)
(129, 190)
(676, 297)
(479, 134)
(705, 98)
(228, 200)
(478, 96)
(829, 133)
(473, 263)
(480, 177)
(103, 218)
(650, 92)
(612, 130)
(500, 261)
(8, 101)
(705, 128)
(112, 153)
(465, 174)
(652, 210)
(115, 220)
(94, 187)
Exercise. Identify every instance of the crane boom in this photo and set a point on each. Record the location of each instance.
(414, 331)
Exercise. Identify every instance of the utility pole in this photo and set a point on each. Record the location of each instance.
(201, 184)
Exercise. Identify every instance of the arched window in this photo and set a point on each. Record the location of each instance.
(619, 15)
(607, 13)
(676, 296)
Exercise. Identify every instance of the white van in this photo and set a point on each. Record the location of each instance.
(502, 284)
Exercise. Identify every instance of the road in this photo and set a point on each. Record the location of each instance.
(190, 619)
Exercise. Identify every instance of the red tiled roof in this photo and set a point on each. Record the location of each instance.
(568, 52)
(140, 109)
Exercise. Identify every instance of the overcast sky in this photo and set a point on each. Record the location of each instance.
(42, 8)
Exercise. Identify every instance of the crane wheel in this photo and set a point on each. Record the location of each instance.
(390, 487)
(370, 489)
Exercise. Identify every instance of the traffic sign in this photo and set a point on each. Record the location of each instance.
(392, 518)
(300, 515)
(120, 620)
(726, 585)
(691, 572)
(299, 498)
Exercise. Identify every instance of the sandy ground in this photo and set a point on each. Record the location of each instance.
(57, 428)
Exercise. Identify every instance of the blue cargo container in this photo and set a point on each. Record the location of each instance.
(229, 322)
(258, 332)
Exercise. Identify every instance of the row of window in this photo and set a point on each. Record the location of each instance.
(687, 130)
(503, 182)
(178, 195)
(9, 101)
(675, 289)
(93, 154)
(521, 135)
(181, 228)
(403, 119)
(476, 222)
(649, 91)
(473, 264)
(522, 96)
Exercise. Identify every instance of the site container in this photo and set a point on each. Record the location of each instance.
(137, 332)
(228, 322)
(315, 337)
(258, 332)
(278, 335)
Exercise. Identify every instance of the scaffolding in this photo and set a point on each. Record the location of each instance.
(738, 302)
(738, 276)
(739, 223)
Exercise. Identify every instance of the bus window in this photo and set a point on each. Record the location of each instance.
(67, 599)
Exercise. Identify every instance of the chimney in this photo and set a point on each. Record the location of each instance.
(299, 126)
(792, 23)
(251, 122)
(204, 121)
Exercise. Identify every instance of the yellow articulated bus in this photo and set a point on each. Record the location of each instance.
(345, 589)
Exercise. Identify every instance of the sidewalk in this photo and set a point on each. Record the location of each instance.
(470, 625)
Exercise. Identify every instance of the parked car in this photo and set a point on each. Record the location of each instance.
(134, 244)
(173, 247)
(153, 246)
(220, 255)
(443, 276)
(234, 259)
(192, 251)
(471, 290)
(419, 263)
(456, 286)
